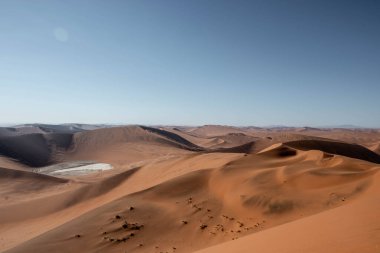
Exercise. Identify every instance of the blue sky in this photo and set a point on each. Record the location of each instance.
(192, 62)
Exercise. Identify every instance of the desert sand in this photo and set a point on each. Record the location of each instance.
(84, 188)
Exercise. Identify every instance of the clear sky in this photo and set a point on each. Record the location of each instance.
(193, 62)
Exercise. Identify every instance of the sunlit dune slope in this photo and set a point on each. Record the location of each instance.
(227, 140)
(123, 145)
(376, 148)
(201, 208)
(214, 130)
(348, 228)
(55, 207)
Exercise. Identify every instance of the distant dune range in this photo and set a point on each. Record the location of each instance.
(42, 149)
(190, 189)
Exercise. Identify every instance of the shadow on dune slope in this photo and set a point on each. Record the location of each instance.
(331, 147)
(174, 137)
(34, 150)
(338, 148)
(245, 148)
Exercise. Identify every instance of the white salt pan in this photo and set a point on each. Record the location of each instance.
(84, 168)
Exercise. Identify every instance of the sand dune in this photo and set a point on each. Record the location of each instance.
(16, 131)
(20, 187)
(167, 193)
(339, 148)
(110, 144)
(215, 130)
(347, 228)
(231, 139)
(376, 148)
(43, 129)
(31, 150)
(357, 136)
(82, 199)
(15, 181)
(49, 128)
(121, 146)
(6, 162)
(173, 137)
(213, 206)
(34, 150)
(184, 133)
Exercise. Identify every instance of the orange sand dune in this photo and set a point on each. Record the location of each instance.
(358, 136)
(376, 148)
(209, 206)
(179, 190)
(339, 148)
(17, 182)
(114, 145)
(79, 197)
(230, 137)
(6, 162)
(348, 228)
(122, 145)
(215, 130)
(200, 141)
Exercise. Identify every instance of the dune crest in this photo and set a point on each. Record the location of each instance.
(165, 193)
